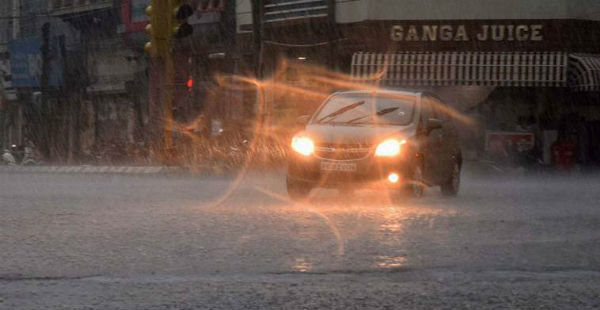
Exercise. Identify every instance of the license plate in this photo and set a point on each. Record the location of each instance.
(334, 166)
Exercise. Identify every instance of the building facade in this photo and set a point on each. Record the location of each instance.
(35, 46)
(107, 87)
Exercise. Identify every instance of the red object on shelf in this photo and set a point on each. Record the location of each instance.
(211, 5)
(497, 141)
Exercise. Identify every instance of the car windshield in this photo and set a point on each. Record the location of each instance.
(356, 109)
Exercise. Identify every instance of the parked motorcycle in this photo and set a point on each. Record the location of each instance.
(31, 157)
(8, 158)
(25, 156)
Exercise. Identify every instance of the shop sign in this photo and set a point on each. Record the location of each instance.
(26, 62)
(462, 33)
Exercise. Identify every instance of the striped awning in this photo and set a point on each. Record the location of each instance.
(584, 73)
(461, 68)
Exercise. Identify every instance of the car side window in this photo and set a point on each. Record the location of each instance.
(426, 113)
(425, 110)
(439, 109)
(428, 109)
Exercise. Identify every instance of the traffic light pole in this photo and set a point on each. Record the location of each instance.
(162, 97)
(167, 22)
(168, 98)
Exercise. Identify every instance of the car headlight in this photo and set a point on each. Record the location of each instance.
(389, 148)
(303, 145)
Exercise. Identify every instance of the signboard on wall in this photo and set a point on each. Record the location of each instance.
(484, 32)
(26, 62)
(205, 12)
(474, 35)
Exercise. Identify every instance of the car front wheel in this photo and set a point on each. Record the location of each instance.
(297, 190)
(415, 186)
(451, 187)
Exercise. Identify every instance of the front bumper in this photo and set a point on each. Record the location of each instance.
(370, 170)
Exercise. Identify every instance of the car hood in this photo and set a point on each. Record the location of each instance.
(365, 135)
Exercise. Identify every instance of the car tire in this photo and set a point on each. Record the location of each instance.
(297, 190)
(451, 187)
(415, 186)
(345, 191)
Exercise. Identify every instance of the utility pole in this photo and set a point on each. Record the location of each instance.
(72, 96)
(332, 34)
(168, 102)
(16, 32)
(257, 35)
(157, 49)
(43, 127)
(16, 18)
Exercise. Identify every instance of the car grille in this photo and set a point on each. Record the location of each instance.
(342, 151)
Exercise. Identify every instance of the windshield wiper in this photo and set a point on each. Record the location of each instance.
(341, 111)
(379, 113)
(386, 111)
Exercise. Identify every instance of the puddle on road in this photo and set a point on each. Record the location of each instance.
(390, 262)
(301, 265)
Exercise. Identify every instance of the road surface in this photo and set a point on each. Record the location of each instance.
(164, 242)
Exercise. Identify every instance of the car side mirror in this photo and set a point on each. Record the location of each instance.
(302, 120)
(433, 123)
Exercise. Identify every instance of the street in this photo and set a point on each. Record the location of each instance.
(77, 241)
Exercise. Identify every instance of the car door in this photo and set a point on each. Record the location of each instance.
(430, 141)
(448, 139)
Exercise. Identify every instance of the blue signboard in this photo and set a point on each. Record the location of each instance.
(26, 62)
(138, 10)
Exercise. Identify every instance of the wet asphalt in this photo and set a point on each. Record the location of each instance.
(76, 241)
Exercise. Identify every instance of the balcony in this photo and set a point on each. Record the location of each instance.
(286, 10)
(63, 7)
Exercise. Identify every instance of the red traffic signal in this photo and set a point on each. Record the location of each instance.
(189, 83)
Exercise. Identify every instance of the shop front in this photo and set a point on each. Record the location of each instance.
(512, 76)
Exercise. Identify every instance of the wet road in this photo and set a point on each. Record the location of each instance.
(161, 242)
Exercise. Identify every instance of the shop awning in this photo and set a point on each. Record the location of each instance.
(584, 73)
(461, 68)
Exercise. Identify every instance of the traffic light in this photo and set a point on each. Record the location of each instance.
(180, 12)
(167, 21)
(158, 28)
